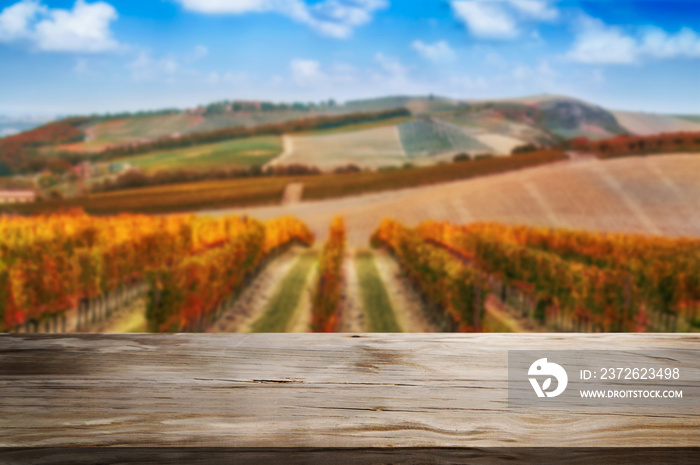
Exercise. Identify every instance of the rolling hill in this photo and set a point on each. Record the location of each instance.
(435, 130)
(650, 195)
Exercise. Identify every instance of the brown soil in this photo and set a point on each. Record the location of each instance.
(352, 315)
(407, 305)
(651, 195)
(301, 321)
(252, 301)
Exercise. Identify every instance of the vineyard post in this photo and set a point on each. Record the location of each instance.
(477, 305)
(111, 301)
(108, 305)
(79, 315)
(627, 312)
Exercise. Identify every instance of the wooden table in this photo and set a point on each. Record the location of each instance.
(434, 394)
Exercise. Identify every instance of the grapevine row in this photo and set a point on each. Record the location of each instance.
(326, 299)
(50, 264)
(455, 291)
(664, 270)
(187, 295)
(599, 282)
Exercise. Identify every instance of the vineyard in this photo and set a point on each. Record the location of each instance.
(579, 281)
(452, 289)
(52, 264)
(432, 137)
(74, 272)
(326, 301)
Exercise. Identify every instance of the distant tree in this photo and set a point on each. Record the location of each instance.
(347, 169)
(5, 169)
(527, 148)
(461, 157)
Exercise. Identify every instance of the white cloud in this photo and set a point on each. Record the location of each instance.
(85, 28)
(307, 72)
(437, 52)
(310, 73)
(391, 65)
(332, 18)
(15, 20)
(540, 10)
(541, 74)
(657, 43)
(599, 43)
(145, 68)
(484, 20)
(500, 19)
(227, 6)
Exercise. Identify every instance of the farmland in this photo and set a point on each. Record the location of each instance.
(417, 131)
(269, 190)
(234, 153)
(645, 124)
(374, 147)
(385, 289)
(648, 195)
(424, 138)
(176, 275)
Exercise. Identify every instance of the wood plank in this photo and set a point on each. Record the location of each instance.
(307, 390)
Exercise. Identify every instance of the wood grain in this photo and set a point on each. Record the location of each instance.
(307, 390)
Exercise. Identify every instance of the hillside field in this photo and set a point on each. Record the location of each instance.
(367, 148)
(650, 195)
(269, 190)
(645, 124)
(234, 153)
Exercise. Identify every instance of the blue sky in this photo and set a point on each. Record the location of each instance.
(61, 57)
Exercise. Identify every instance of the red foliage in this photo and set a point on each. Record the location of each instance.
(631, 145)
(16, 150)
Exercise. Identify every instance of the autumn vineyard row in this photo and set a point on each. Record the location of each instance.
(50, 264)
(584, 281)
(326, 299)
(452, 290)
(190, 269)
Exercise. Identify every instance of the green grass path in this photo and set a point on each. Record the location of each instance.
(378, 310)
(280, 309)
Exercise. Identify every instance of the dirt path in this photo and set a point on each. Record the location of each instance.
(501, 319)
(251, 303)
(292, 193)
(352, 317)
(287, 151)
(406, 303)
(301, 321)
(130, 318)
